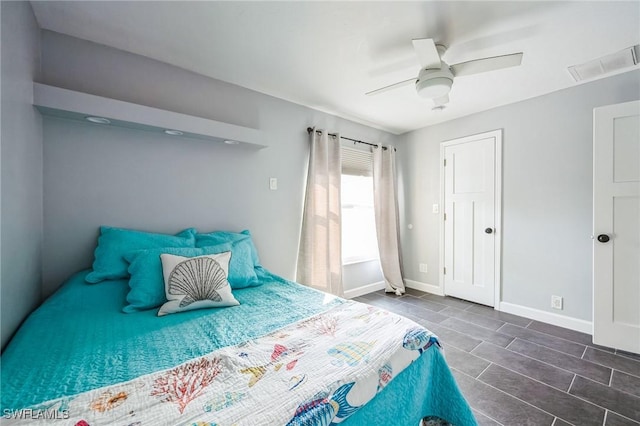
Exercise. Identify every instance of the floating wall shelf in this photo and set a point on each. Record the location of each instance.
(58, 102)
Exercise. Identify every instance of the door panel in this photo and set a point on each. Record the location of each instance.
(626, 260)
(461, 231)
(469, 200)
(468, 168)
(626, 150)
(616, 214)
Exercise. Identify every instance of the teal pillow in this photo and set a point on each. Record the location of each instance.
(113, 243)
(242, 272)
(220, 237)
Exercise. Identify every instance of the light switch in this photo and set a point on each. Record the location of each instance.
(436, 209)
(273, 184)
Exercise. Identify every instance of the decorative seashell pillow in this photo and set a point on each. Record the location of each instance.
(196, 282)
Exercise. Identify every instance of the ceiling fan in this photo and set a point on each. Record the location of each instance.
(436, 76)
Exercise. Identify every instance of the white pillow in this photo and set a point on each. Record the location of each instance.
(196, 282)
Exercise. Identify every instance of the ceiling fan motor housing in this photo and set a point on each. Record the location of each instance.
(434, 83)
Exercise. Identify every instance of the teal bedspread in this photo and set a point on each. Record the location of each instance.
(79, 339)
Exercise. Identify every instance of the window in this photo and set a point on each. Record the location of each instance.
(359, 242)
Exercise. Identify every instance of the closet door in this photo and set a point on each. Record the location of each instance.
(471, 199)
(616, 226)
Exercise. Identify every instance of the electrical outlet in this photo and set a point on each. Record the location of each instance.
(273, 184)
(423, 268)
(556, 302)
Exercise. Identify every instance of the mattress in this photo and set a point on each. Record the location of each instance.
(79, 342)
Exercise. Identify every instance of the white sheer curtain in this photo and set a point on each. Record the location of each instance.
(385, 202)
(320, 254)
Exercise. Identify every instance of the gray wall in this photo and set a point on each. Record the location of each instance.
(547, 192)
(97, 175)
(361, 274)
(21, 170)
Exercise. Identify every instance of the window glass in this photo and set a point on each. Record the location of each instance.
(359, 241)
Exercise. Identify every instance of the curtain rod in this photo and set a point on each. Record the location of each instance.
(309, 130)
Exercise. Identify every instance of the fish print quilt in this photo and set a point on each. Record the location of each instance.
(318, 371)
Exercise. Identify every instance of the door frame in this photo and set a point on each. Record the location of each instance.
(497, 135)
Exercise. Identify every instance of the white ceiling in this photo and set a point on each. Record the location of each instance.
(326, 55)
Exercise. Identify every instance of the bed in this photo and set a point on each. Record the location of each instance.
(286, 355)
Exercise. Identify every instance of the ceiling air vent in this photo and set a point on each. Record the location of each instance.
(598, 67)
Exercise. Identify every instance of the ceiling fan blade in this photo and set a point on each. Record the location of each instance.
(427, 53)
(390, 87)
(486, 64)
(407, 64)
(441, 100)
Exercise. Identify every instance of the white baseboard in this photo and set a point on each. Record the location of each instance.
(510, 308)
(365, 289)
(428, 288)
(548, 317)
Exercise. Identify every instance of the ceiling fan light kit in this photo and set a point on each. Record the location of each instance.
(434, 83)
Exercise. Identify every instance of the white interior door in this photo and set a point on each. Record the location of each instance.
(471, 217)
(616, 226)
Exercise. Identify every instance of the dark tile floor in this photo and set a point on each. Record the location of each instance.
(515, 371)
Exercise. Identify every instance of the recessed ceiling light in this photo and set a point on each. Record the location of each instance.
(228, 142)
(174, 132)
(99, 120)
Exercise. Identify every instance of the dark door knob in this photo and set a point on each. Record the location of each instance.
(489, 230)
(603, 238)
